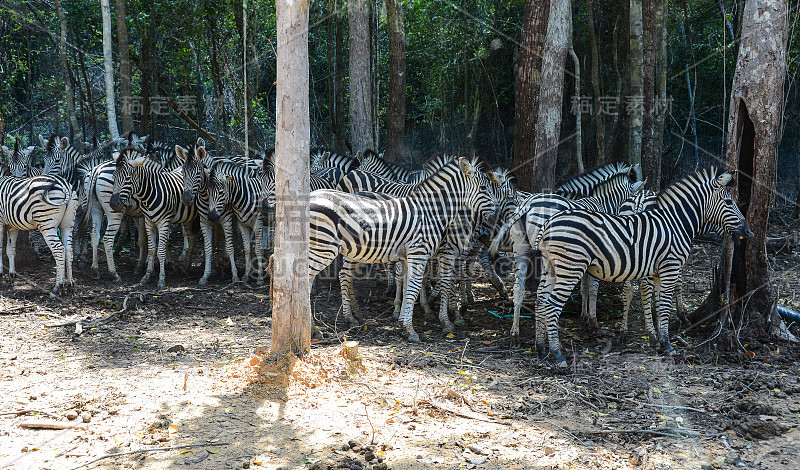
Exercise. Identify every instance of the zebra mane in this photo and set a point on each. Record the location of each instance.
(699, 178)
(583, 184)
(504, 174)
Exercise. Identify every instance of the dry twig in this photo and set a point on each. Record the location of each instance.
(155, 449)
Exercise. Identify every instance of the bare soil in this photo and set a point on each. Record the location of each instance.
(181, 368)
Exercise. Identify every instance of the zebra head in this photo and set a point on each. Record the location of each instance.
(610, 194)
(722, 210)
(319, 159)
(57, 159)
(122, 189)
(19, 159)
(194, 175)
(644, 200)
(217, 187)
(268, 185)
(482, 194)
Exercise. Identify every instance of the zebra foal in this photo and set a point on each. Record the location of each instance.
(654, 243)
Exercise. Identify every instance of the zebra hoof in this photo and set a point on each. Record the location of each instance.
(95, 275)
(203, 281)
(562, 364)
(316, 334)
(396, 315)
(459, 323)
(414, 338)
(389, 293)
(117, 278)
(430, 316)
(260, 282)
(161, 285)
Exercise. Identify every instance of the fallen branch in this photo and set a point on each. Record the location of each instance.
(7, 311)
(668, 432)
(154, 449)
(463, 414)
(24, 412)
(49, 425)
(102, 320)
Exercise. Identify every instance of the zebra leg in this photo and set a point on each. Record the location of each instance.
(627, 295)
(349, 304)
(2, 247)
(12, 252)
(67, 241)
(664, 287)
(680, 309)
(227, 229)
(50, 236)
(112, 228)
(399, 277)
(647, 286)
(520, 272)
(185, 252)
(415, 272)
(246, 234)
(163, 246)
(446, 268)
(260, 247)
(594, 285)
(542, 293)
(208, 229)
(424, 300)
(390, 267)
(97, 226)
(141, 229)
(552, 304)
(152, 245)
(494, 279)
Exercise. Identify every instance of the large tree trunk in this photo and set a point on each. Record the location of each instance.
(754, 133)
(598, 110)
(339, 79)
(147, 75)
(652, 123)
(633, 105)
(577, 142)
(69, 94)
(551, 94)
(124, 68)
(291, 294)
(361, 125)
(529, 77)
(108, 63)
(396, 111)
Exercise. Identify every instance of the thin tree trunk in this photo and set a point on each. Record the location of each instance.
(598, 110)
(361, 126)
(69, 94)
(108, 64)
(634, 101)
(147, 74)
(396, 111)
(374, 56)
(291, 302)
(686, 33)
(89, 97)
(551, 94)
(246, 85)
(651, 156)
(124, 68)
(577, 152)
(754, 133)
(339, 78)
(529, 76)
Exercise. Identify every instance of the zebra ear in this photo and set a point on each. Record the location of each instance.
(8, 151)
(360, 156)
(181, 152)
(64, 143)
(201, 142)
(725, 179)
(200, 152)
(28, 150)
(42, 141)
(638, 186)
(493, 178)
(465, 166)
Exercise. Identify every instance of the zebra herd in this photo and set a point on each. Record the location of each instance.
(425, 225)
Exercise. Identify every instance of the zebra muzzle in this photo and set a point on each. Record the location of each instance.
(116, 203)
(187, 198)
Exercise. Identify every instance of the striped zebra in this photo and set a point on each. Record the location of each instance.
(45, 203)
(19, 160)
(374, 163)
(198, 182)
(408, 229)
(654, 243)
(521, 227)
(99, 187)
(159, 193)
(583, 185)
(322, 159)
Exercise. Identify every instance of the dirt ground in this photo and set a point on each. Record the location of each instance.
(179, 368)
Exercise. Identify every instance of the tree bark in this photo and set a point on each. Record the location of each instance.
(578, 140)
(339, 79)
(754, 133)
(652, 123)
(396, 111)
(108, 64)
(69, 94)
(124, 68)
(147, 74)
(633, 102)
(551, 94)
(596, 88)
(361, 125)
(291, 301)
(528, 80)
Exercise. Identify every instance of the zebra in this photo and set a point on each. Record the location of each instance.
(45, 203)
(159, 194)
(99, 187)
(198, 183)
(19, 160)
(408, 229)
(653, 243)
(242, 196)
(521, 226)
(374, 163)
(583, 185)
(322, 159)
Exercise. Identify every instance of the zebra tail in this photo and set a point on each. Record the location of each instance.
(54, 185)
(518, 214)
(90, 196)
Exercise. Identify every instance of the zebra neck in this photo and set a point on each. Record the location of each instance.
(443, 196)
(684, 211)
